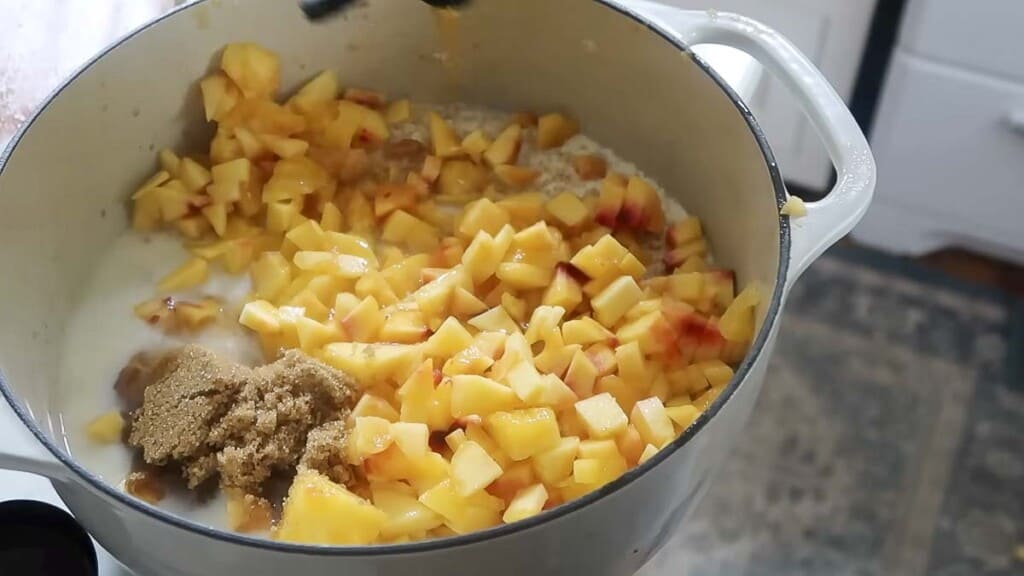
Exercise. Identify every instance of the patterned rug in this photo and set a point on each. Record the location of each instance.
(886, 440)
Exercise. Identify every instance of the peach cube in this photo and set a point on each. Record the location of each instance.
(448, 340)
(555, 464)
(652, 422)
(602, 416)
(526, 503)
(524, 433)
(473, 469)
(505, 148)
(584, 330)
(472, 394)
(412, 438)
(615, 300)
(318, 511)
(482, 214)
(568, 209)
(554, 129)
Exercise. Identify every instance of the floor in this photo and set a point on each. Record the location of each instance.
(887, 440)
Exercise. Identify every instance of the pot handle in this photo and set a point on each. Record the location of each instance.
(828, 219)
(20, 450)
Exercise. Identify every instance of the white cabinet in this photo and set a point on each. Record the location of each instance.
(949, 134)
(832, 33)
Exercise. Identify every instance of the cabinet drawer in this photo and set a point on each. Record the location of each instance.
(981, 35)
(952, 143)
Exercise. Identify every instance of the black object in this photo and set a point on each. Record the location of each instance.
(885, 26)
(37, 539)
(319, 9)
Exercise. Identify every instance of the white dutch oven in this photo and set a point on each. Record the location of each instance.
(625, 71)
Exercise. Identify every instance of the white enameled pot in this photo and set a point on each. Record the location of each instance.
(624, 69)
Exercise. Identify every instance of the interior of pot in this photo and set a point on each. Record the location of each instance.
(64, 188)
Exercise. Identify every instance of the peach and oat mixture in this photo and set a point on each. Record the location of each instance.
(489, 319)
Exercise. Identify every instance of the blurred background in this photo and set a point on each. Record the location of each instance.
(889, 439)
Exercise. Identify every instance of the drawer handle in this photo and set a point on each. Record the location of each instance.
(1015, 121)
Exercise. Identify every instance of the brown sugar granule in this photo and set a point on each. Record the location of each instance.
(325, 452)
(145, 485)
(143, 369)
(248, 513)
(213, 417)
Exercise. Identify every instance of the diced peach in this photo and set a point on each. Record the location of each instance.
(482, 214)
(589, 166)
(370, 435)
(463, 514)
(626, 394)
(684, 231)
(465, 304)
(443, 137)
(649, 451)
(220, 95)
(684, 252)
(448, 340)
(517, 476)
(598, 471)
(602, 357)
(475, 432)
(555, 464)
(398, 111)
(641, 207)
(615, 300)
(472, 394)
(524, 433)
(106, 428)
(602, 416)
(404, 327)
(416, 393)
(439, 409)
(188, 275)
(652, 332)
(404, 228)
(630, 360)
(461, 179)
(516, 176)
(630, 444)
(524, 208)
(475, 144)
(505, 148)
(568, 209)
(473, 469)
(527, 502)
(318, 511)
(585, 330)
(554, 129)
(565, 289)
(391, 197)
(254, 69)
(737, 323)
(494, 320)
(581, 375)
(322, 89)
(610, 200)
(406, 516)
(683, 415)
(371, 363)
(653, 422)
(543, 321)
(523, 276)
(371, 405)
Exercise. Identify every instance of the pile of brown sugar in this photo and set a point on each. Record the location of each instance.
(213, 417)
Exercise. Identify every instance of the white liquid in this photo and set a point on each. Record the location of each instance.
(103, 334)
